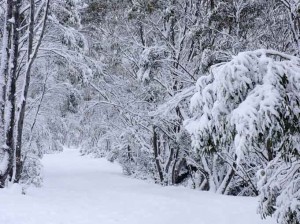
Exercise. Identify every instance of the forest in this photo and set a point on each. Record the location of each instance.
(203, 94)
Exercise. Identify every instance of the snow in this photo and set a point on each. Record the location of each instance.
(83, 190)
(12, 20)
(4, 160)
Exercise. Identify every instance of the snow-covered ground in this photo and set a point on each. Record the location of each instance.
(82, 190)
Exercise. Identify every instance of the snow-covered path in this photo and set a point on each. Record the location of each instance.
(82, 190)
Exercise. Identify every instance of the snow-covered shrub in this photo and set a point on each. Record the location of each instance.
(31, 173)
(279, 186)
(133, 153)
(247, 113)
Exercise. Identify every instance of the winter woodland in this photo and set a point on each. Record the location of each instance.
(203, 94)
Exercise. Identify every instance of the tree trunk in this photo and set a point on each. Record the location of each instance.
(155, 149)
(174, 170)
(3, 82)
(11, 99)
(19, 161)
(225, 183)
(31, 55)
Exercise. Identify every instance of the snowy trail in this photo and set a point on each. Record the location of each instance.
(82, 190)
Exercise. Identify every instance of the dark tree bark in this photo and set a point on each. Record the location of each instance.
(31, 55)
(11, 96)
(19, 161)
(155, 150)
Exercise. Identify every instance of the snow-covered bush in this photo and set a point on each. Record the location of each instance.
(247, 113)
(31, 173)
(279, 186)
